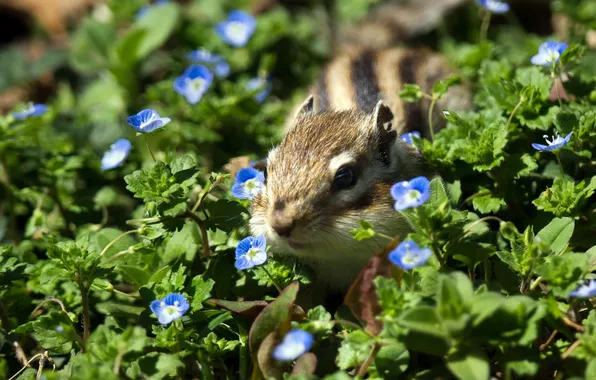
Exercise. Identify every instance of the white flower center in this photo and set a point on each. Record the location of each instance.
(413, 195)
(252, 186)
(252, 253)
(196, 85)
(171, 310)
(236, 31)
(555, 139)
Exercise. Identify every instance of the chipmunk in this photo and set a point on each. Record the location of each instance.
(342, 153)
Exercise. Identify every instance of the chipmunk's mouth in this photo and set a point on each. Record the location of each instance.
(296, 245)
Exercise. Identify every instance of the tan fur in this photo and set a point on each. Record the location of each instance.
(335, 128)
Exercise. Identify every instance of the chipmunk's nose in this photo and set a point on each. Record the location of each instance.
(282, 224)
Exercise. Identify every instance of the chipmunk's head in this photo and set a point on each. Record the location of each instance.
(332, 169)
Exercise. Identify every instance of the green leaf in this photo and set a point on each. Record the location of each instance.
(470, 364)
(156, 366)
(276, 315)
(183, 244)
(426, 331)
(411, 93)
(440, 88)
(488, 204)
(202, 291)
(392, 361)
(54, 332)
(365, 231)
(565, 198)
(166, 16)
(557, 234)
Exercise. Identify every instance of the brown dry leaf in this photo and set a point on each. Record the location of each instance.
(362, 297)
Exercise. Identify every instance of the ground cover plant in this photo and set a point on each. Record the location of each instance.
(124, 198)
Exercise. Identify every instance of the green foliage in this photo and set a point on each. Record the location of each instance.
(84, 252)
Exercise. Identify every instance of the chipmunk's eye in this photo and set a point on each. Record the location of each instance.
(344, 177)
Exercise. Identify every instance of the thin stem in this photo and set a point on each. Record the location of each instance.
(468, 228)
(149, 148)
(431, 108)
(56, 300)
(204, 236)
(548, 341)
(371, 357)
(556, 152)
(574, 325)
(26, 366)
(384, 236)
(535, 283)
(272, 280)
(205, 193)
(519, 104)
(144, 220)
(484, 26)
(110, 244)
(85, 305)
(5, 322)
(570, 349)
(556, 83)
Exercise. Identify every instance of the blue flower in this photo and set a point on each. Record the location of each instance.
(407, 137)
(249, 182)
(408, 255)
(251, 252)
(147, 121)
(237, 28)
(554, 144)
(143, 11)
(295, 344)
(259, 84)
(585, 291)
(116, 154)
(549, 53)
(222, 69)
(31, 109)
(172, 307)
(410, 193)
(193, 83)
(494, 6)
(203, 56)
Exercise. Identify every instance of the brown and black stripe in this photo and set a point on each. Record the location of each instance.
(359, 79)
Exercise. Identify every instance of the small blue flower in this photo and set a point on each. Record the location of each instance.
(251, 251)
(259, 84)
(193, 83)
(554, 144)
(147, 121)
(116, 154)
(203, 56)
(407, 137)
(249, 182)
(295, 344)
(408, 255)
(494, 6)
(143, 11)
(237, 28)
(172, 307)
(410, 193)
(221, 69)
(32, 110)
(585, 291)
(549, 53)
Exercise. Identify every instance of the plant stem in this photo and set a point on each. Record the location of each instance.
(570, 349)
(56, 300)
(484, 26)
(272, 280)
(535, 283)
(85, 305)
(431, 108)
(556, 152)
(519, 104)
(149, 148)
(373, 353)
(204, 236)
(110, 244)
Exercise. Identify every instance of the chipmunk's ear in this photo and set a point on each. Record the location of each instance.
(305, 108)
(383, 123)
(383, 117)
